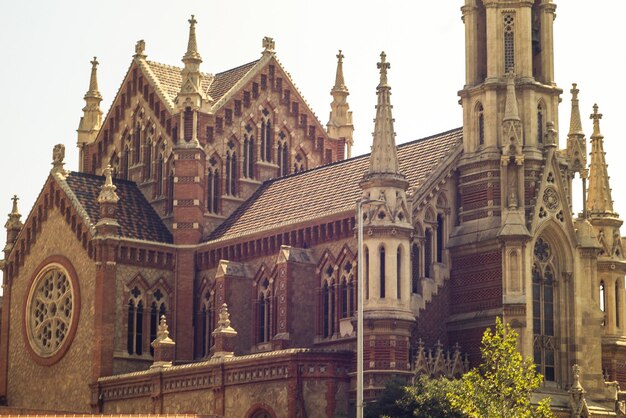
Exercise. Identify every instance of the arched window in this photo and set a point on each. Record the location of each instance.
(543, 275)
(206, 322)
(382, 271)
(231, 172)
(248, 154)
(188, 124)
(399, 273)
(481, 124)
(266, 137)
(264, 314)
(147, 171)
(134, 343)
(213, 189)
(440, 238)
(415, 269)
(136, 144)
(428, 252)
(509, 42)
(125, 162)
(282, 155)
(158, 308)
(158, 175)
(602, 297)
(540, 118)
(344, 298)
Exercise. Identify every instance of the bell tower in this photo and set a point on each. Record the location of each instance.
(509, 67)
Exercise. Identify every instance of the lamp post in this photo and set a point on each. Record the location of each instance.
(359, 320)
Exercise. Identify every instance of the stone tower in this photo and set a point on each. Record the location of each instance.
(388, 231)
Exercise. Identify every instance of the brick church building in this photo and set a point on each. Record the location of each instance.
(203, 258)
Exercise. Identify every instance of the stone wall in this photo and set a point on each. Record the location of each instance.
(71, 374)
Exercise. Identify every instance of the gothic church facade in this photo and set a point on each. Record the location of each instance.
(204, 258)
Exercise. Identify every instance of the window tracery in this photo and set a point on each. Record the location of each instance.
(134, 343)
(415, 270)
(207, 321)
(266, 137)
(248, 153)
(328, 303)
(282, 155)
(509, 42)
(231, 170)
(213, 187)
(264, 312)
(543, 281)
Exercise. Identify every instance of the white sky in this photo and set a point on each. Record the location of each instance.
(46, 47)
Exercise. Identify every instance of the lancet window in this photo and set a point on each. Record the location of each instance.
(264, 313)
(381, 256)
(231, 171)
(207, 321)
(415, 270)
(543, 284)
(170, 192)
(266, 137)
(617, 306)
(147, 173)
(428, 252)
(509, 42)
(440, 238)
(282, 155)
(158, 308)
(248, 153)
(328, 302)
(540, 119)
(213, 187)
(481, 124)
(135, 330)
(137, 144)
(348, 290)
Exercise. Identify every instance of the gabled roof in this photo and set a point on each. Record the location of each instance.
(329, 189)
(137, 218)
(216, 86)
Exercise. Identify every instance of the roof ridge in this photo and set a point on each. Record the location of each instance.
(173, 67)
(238, 67)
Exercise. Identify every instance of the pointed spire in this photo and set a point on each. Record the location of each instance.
(384, 158)
(339, 83)
(340, 122)
(599, 200)
(93, 81)
(575, 124)
(510, 109)
(192, 45)
(91, 121)
(14, 217)
(107, 193)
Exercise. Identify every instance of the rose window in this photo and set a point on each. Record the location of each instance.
(50, 308)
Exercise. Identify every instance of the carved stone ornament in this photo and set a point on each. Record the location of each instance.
(551, 198)
(58, 155)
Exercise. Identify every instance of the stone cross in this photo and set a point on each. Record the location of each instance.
(192, 21)
(383, 66)
(14, 199)
(140, 47)
(268, 44)
(340, 57)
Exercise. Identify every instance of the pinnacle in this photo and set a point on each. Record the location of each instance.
(192, 45)
(575, 127)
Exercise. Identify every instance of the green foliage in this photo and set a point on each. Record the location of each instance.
(499, 388)
(502, 385)
(426, 398)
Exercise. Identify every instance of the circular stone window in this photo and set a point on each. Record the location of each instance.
(51, 312)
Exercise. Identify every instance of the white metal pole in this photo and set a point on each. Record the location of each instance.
(359, 321)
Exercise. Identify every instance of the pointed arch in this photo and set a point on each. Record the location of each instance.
(480, 122)
(266, 135)
(264, 304)
(541, 121)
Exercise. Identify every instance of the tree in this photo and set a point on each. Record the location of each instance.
(502, 385)
(499, 388)
(425, 398)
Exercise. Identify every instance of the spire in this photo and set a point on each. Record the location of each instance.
(575, 125)
(14, 217)
(384, 158)
(339, 83)
(340, 122)
(510, 110)
(192, 45)
(91, 121)
(599, 200)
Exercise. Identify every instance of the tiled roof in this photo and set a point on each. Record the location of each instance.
(135, 215)
(329, 189)
(215, 86)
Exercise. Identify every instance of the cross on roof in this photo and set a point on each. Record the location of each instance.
(268, 43)
(595, 115)
(383, 65)
(95, 62)
(192, 21)
(340, 56)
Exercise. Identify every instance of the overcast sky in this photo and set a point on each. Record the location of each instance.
(46, 47)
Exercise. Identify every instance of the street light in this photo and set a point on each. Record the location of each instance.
(359, 320)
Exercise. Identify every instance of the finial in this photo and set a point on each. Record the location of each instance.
(510, 107)
(58, 155)
(383, 66)
(140, 47)
(596, 120)
(575, 125)
(268, 44)
(192, 45)
(339, 82)
(224, 321)
(163, 332)
(14, 210)
(107, 193)
(574, 91)
(93, 81)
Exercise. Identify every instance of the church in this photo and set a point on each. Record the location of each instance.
(204, 257)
